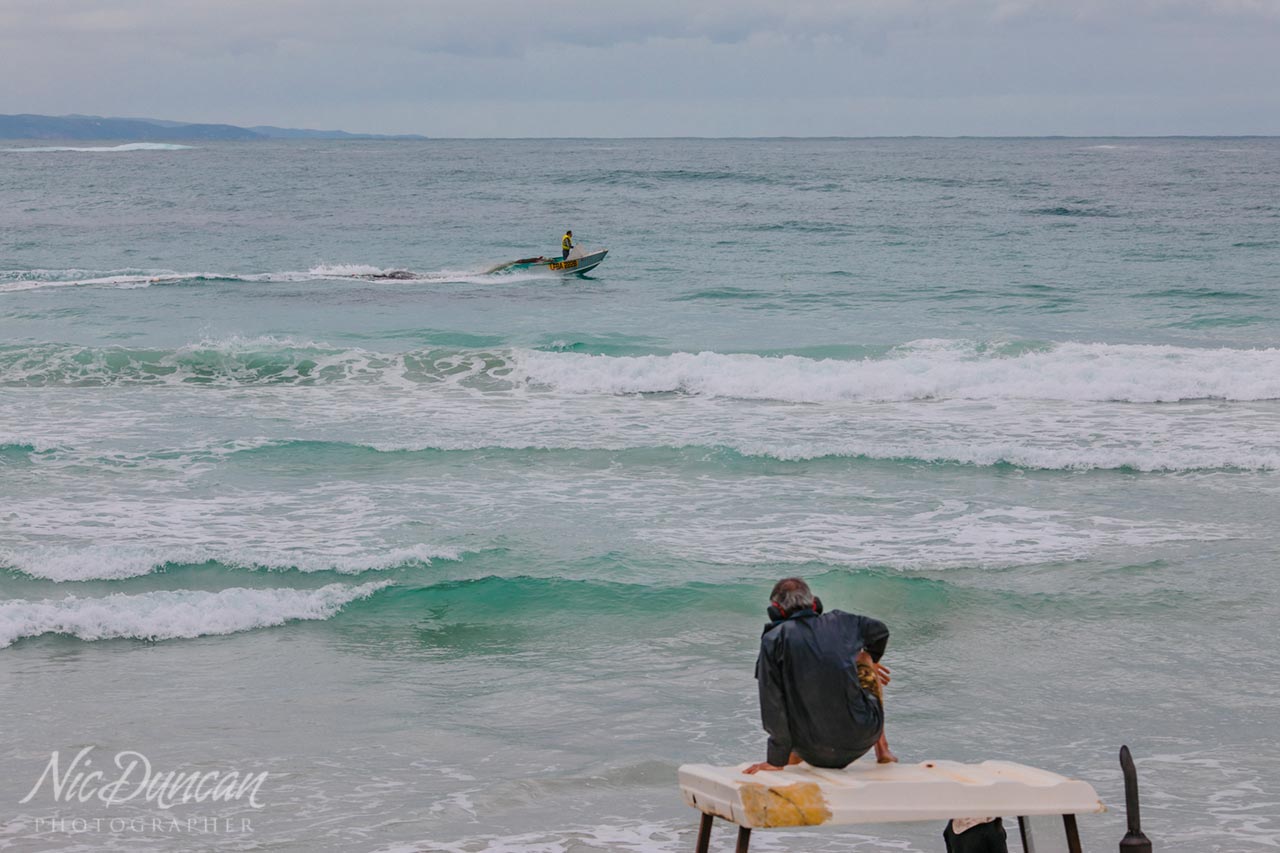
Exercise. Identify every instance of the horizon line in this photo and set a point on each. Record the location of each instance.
(846, 136)
(362, 136)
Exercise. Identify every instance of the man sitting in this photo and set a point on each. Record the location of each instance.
(820, 678)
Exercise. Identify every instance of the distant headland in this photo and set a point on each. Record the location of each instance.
(82, 127)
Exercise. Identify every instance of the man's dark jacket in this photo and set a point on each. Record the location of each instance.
(810, 699)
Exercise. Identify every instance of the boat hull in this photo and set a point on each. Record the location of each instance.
(568, 266)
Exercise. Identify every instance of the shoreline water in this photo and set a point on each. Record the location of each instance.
(473, 563)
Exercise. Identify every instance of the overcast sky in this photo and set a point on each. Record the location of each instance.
(655, 67)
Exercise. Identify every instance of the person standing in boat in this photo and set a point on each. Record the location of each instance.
(566, 245)
(820, 682)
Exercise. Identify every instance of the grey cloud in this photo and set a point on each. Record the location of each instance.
(661, 67)
(507, 26)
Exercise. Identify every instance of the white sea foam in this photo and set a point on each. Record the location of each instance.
(1152, 457)
(392, 275)
(345, 270)
(714, 509)
(227, 360)
(628, 836)
(37, 279)
(20, 280)
(116, 531)
(1069, 455)
(923, 370)
(465, 401)
(927, 370)
(36, 443)
(952, 535)
(171, 615)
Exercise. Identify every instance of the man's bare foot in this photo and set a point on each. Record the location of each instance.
(883, 755)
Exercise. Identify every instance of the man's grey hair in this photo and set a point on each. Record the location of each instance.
(792, 594)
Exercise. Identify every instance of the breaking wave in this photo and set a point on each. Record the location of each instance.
(1067, 456)
(117, 562)
(930, 370)
(173, 614)
(234, 361)
(1152, 458)
(1183, 451)
(922, 370)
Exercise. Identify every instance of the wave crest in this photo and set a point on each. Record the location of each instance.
(117, 562)
(922, 370)
(173, 615)
(1068, 455)
(929, 370)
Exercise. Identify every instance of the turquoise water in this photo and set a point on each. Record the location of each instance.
(472, 562)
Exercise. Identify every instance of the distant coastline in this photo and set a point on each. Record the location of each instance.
(80, 127)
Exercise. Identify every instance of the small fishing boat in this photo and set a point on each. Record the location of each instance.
(578, 262)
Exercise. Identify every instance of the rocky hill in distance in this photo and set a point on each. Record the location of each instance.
(97, 128)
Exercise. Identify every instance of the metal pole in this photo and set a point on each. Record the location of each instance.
(1024, 830)
(1134, 841)
(1073, 833)
(704, 834)
(744, 840)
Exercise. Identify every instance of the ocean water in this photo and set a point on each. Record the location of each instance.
(473, 562)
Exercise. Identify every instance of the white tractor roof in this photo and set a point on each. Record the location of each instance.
(880, 793)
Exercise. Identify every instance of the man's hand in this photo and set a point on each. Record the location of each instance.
(882, 673)
(763, 765)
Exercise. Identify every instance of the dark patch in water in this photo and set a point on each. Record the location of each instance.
(722, 293)
(1208, 293)
(1215, 321)
(1062, 210)
(648, 179)
(802, 227)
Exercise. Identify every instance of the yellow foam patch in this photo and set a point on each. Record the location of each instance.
(800, 804)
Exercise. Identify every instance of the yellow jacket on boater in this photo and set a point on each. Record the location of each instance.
(567, 242)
